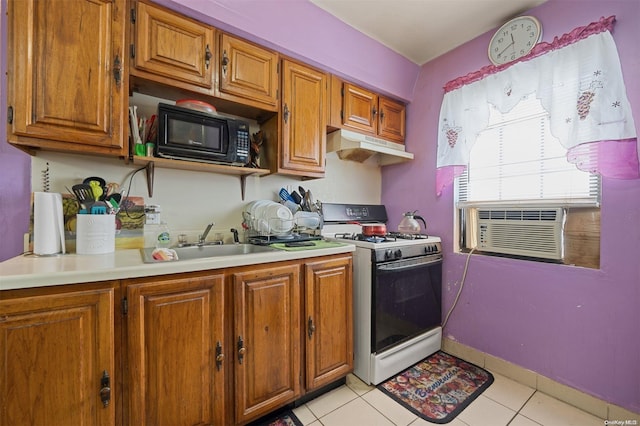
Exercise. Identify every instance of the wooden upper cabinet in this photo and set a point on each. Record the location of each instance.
(304, 103)
(55, 350)
(247, 73)
(328, 320)
(172, 49)
(175, 334)
(355, 108)
(267, 339)
(392, 118)
(360, 108)
(67, 83)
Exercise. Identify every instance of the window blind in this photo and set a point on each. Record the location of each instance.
(517, 159)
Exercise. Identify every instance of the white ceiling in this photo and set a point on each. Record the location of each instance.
(421, 30)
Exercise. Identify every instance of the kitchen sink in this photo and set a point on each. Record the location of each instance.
(200, 252)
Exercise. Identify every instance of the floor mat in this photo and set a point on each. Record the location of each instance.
(283, 418)
(439, 387)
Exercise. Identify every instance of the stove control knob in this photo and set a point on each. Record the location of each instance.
(398, 254)
(388, 254)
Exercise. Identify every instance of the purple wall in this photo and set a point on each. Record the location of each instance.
(15, 172)
(575, 325)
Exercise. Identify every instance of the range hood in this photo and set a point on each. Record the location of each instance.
(358, 147)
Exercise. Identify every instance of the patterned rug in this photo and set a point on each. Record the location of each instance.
(284, 418)
(439, 387)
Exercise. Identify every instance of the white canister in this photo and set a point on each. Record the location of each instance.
(95, 233)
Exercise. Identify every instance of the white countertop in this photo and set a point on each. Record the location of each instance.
(29, 271)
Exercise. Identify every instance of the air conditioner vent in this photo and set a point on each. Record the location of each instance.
(523, 232)
(518, 214)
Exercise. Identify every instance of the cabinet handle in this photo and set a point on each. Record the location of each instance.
(286, 113)
(381, 115)
(219, 356)
(241, 349)
(311, 328)
(374, 111)
(225, 62)
(117, 70)
(207, 56)
(105, 389)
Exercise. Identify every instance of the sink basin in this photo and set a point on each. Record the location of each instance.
(200, 252)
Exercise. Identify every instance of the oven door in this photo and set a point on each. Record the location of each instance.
(406, 300)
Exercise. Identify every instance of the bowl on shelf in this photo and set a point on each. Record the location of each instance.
(197, 105)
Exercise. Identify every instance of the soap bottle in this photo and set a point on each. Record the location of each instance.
(164, 237)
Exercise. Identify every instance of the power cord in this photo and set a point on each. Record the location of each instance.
(464, 277)
(126, 197)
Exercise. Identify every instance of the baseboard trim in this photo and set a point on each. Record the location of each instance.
(571, 396)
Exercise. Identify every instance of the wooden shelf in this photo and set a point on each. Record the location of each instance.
(152, 162)
(197, 166)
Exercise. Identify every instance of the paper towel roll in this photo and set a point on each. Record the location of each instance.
(48, 223)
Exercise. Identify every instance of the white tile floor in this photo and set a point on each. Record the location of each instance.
(505, 402)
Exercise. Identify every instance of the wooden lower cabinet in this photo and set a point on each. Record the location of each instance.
(266, 333)
(56, 347)
(217, 347)
(176, 374)
(329, 321)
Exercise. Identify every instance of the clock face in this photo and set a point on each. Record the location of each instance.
(514, 39)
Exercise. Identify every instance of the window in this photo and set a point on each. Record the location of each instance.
(520, 197)
(526, 143)
(516, 158)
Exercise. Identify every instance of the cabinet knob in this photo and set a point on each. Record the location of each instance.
(285, 113)
(381, 115)
(207, 56)
(311, 327)
(241, 349)
(117, 70)
(374, 111)
(225, 62)
(219, 356)
(105, 389)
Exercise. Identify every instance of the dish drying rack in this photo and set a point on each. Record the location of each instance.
(268, 231)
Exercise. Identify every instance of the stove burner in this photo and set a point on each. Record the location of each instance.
(374, 239)
(390, 236)
(402, 236)
(368, 238)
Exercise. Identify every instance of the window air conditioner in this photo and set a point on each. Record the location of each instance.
(523, 232)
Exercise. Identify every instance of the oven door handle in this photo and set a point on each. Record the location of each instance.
(410, 263)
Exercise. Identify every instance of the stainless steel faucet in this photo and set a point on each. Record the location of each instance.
(203, 236)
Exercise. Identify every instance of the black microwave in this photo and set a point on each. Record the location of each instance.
(193, 135)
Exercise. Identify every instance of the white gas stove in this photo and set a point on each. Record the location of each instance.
(397, 290)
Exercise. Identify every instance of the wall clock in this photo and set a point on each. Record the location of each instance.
(514, 39)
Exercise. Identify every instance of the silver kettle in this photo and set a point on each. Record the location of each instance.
(409, 223)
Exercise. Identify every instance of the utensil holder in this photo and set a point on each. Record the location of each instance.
(95, 233)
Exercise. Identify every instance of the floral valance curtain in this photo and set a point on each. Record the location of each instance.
(578, 80)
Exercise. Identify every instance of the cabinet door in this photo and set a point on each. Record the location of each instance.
(54, 351)
(174, 327)
(248, 73)
(267, 327)
(328, 321)
(359, 108)
(172, 48)
(304, 103)
(68, 88)
(392, 120)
